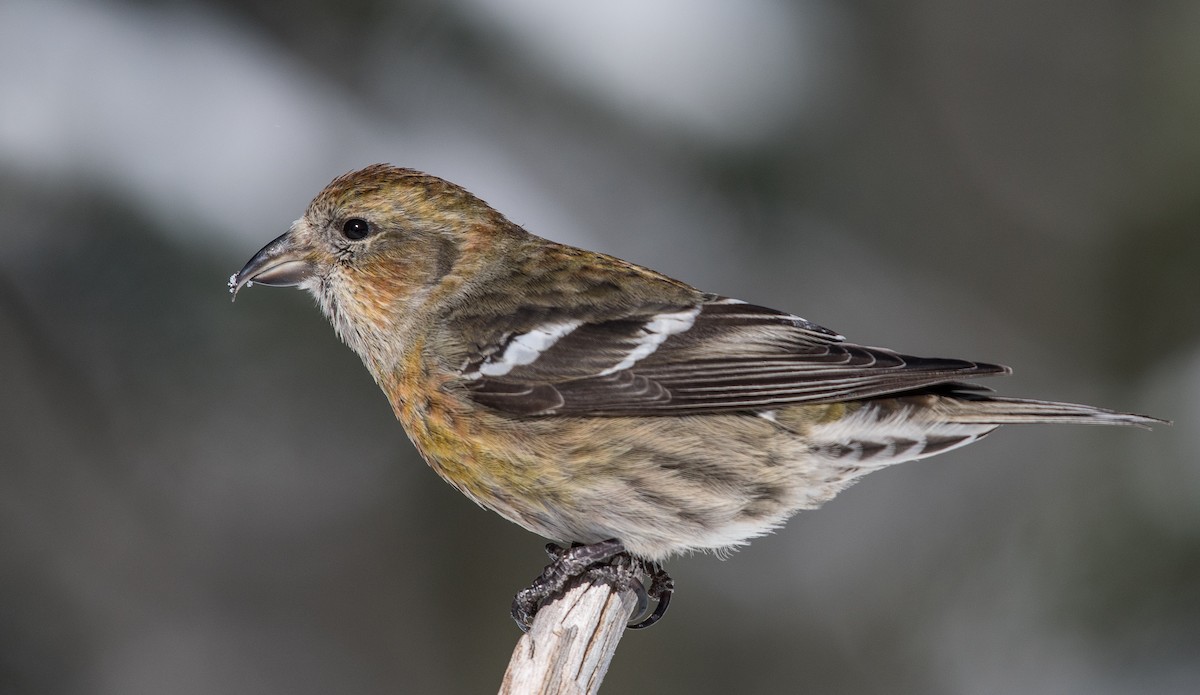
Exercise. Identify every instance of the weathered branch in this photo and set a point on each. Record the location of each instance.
(572, 641)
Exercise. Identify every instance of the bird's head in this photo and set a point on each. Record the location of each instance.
(378, 245)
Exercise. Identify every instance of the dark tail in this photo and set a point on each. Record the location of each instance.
(979, 409)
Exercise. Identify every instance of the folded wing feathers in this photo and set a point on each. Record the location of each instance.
(717, 356)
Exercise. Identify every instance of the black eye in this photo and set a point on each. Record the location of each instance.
(355, 228)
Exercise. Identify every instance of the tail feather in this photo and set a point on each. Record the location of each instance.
(979, 409)
(886, 431)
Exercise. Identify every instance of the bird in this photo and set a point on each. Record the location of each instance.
(604, 405)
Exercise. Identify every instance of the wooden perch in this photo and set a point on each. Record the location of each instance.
(572, 641)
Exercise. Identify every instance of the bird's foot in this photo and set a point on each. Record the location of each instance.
(605, 561)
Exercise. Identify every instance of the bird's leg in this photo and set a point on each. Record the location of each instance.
(606, 560)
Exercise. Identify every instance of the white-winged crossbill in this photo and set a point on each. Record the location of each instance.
(589, 399)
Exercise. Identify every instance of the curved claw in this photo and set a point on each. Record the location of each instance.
(659, 611)
(662, 587)
(642, 597)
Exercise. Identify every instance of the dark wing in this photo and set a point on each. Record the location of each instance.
(720, 355)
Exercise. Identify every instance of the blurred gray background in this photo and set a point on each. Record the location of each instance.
(199, 497)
